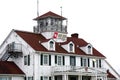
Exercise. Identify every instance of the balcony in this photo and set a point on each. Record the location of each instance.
(77, 70)
(15, 49)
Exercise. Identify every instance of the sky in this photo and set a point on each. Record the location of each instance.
(96, 21)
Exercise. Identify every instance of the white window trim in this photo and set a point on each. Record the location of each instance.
(47, 59)
(84, 63)
(53, 48)
(91, 50)
(73, 48)
(58, 60)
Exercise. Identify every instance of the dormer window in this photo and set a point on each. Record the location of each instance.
(71, 47)
(51, 44)
(89, 49)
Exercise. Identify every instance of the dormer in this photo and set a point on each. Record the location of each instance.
(49, 45)
(88, 49)
(50, 23)
(70, 47)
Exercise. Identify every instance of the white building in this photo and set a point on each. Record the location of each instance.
(48, 54)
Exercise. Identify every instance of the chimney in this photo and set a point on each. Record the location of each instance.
(75, 35)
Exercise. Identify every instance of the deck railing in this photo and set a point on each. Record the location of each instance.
(76, 69)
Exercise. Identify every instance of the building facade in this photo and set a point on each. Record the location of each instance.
(48, 54)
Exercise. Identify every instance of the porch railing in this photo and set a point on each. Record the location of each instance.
(76, 69)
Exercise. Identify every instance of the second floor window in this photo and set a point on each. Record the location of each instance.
(72, 60)
(59, 60)
(27, 60)
(45, 59)
(85, 62)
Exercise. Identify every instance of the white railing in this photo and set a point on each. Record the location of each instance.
(76, 68)
(15, 47)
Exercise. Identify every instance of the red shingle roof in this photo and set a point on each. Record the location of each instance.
(110, 75)
(49, 14)
(33, 40)
(7, 67)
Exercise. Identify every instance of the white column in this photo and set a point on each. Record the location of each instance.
(65, 77)
(53, 77)
(79, 77)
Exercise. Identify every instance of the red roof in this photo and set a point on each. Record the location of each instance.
(33, 40)
(110, 75)
(49, 14)
(7, 67)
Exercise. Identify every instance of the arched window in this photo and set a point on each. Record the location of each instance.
(89, 49)
(71, 47)
(51, 44)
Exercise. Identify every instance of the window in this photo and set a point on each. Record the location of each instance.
(5, 78)
(99, 63)
(93, 63)
(30, 78)
(59, 60)
(45, 78)
(45, 59)
(89, 49)
(85, 62)
(51, 44)
(27, 60)
(72, 60)
(71, 47)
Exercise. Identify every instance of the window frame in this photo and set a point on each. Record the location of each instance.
(27, 60)
(85, 62)
(47, 63)
(71, 47)
(60, 60)
(51, 45)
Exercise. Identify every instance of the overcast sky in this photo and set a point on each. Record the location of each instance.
(96, 21)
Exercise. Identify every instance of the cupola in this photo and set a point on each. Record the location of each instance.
(51, 23)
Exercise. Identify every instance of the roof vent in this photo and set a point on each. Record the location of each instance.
(75, 35)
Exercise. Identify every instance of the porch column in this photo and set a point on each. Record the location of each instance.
(53, 77)
(64, 77)
(79, 77)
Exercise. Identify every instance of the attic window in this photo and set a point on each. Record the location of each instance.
(51, 44)
(71, 47)
(89, 49)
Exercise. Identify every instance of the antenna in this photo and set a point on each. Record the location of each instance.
(37, 7)
(61, 17)
(61, 10)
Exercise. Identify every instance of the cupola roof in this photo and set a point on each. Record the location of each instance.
(50, 14)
